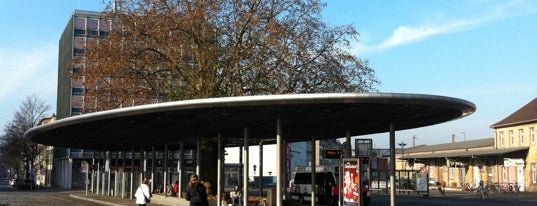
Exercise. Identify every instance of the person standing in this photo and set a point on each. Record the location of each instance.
(365, 193)
(176, 187)
(143, 196)
(196, 193)
(236, 195)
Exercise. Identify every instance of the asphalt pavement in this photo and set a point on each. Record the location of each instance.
(52, 196)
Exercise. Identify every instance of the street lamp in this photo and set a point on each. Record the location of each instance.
(464, 135)
(403, 144)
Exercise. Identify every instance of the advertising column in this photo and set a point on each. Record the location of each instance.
(351, 182)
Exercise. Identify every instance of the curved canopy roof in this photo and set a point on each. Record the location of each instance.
(302, 116)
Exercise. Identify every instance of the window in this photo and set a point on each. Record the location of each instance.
(80, 23)
(533, 173)
(76, 69)
(92, 26)
(80, 26)
(77, 82)
(104, 27)
(80, 45)
(521, 136)
(511, 138)
(532, 135)
(78, 91)
(502, 139)
(76, 111)
(78, 101)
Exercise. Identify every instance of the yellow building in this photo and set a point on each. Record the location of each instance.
(509, 158)
(518, 131)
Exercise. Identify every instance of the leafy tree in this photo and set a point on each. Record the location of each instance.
(173, 49)
(15, 150)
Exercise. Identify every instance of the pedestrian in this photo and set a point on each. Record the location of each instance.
(482, 191)
(176, 187)
(236, 195)
(143, 196)
(366, 194)
(196, 194)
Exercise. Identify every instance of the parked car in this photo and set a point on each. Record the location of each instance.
(15, 182)
(431, 181)
(26, 184)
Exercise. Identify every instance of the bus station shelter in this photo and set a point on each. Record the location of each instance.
(210, 125)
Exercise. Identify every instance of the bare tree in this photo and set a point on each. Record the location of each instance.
(178, 49)
(15, 148)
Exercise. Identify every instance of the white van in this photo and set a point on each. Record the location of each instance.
(326, 181)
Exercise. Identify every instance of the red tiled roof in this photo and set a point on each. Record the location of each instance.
(526, 114)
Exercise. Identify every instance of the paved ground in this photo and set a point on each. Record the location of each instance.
(57, 197)
(459, 198)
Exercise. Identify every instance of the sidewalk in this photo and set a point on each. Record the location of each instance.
(105, 200)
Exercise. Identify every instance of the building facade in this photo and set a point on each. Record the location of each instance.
(508, 160)
(82, 28)
(517, 131)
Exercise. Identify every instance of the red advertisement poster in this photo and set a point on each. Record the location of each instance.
(351, 182)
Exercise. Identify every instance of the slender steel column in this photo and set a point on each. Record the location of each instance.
(219, 167)
(93, 171)
(348, 149)
(98, 173)
(153, 160)
(279, 179)
(123, 180)
(142, 165)
(198, 154)
(246, 166)
(132, 174)
(104, 173)
(180, 166)
(392, 164)
(241, 166)
(108, 171)
(165, 183)
(261, 169)
(116, 177)
(313, 171)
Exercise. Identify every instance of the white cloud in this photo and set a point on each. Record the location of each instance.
(403, 35)
(406, 34)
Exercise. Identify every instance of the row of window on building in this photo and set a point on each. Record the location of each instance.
(521, 137)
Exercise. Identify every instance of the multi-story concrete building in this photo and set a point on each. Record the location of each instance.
(82, 27)
(69, 170)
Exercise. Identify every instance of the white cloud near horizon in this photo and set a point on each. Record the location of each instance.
(408, 34)
(403, 35)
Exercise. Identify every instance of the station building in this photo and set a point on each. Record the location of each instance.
(509, 158)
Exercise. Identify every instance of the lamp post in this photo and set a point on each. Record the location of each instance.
(403, 144)
(464, 135)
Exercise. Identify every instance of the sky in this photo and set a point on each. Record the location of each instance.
(482, 51)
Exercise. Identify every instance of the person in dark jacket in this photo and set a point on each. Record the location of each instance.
(195, 193)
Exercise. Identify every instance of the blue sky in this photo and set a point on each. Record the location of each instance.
(483, 51)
